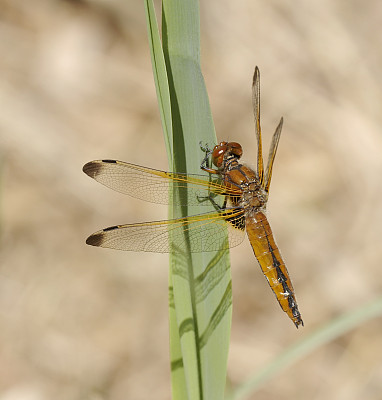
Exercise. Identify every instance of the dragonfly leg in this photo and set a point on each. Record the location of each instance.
(205, 167)
(204, 147)
(210, 198)
(205, 162)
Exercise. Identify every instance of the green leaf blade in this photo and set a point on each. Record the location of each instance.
(203, 310)
(200, 295)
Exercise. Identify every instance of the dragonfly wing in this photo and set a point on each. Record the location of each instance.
(272, 154)
(157, 186)
(256, 112)
(199, 233)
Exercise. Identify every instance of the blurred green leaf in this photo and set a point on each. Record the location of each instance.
(320, 337)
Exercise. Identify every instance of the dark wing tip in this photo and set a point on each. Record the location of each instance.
(256, 75)
(92, 168)
(96, 239)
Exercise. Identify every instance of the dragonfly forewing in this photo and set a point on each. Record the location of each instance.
(157, 186)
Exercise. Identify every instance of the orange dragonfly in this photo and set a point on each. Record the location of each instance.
(243, 194)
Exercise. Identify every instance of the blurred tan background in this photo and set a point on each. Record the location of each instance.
(76, 84)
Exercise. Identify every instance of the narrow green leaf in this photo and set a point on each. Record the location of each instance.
(323, 335)
(160, 76)
(200, 295)
(203, 310)
(179, 388)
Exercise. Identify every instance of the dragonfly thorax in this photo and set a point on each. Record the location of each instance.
(253, 199)
(239, 175)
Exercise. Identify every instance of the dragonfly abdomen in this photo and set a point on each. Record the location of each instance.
(268, 255)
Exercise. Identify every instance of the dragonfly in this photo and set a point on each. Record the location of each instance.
(238, 193)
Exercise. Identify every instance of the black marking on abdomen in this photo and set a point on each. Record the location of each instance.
(110, 161)
(288, 292)
(280, 275)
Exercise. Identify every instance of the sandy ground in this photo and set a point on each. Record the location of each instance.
(76, 84)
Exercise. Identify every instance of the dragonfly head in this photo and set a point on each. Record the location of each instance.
(225, 151)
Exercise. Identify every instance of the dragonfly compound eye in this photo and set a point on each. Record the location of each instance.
(235, 149)
(218, 154)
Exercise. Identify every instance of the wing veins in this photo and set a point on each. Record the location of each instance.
(137, 181)
(205, 232)
(256, 112)
(272, 155)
